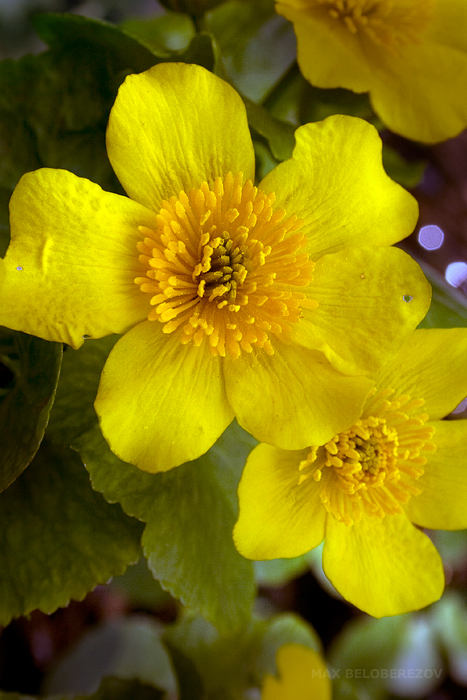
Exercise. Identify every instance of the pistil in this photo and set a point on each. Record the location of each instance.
(226, 266)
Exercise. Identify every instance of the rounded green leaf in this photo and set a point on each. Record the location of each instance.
(128, 648)
(25, 404)
(189, 513)
(58, 538)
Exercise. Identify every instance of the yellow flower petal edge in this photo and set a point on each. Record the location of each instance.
(367, 280)
(410, 55)
(173, 127)
(69, 270)
(338, 160)
(384, 567)
(153, 376)
(217, 268)
(442, 502)
(365, 490)
(302, 675)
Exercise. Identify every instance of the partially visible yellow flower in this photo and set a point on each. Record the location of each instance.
(410, 55)
(302, 676)
(234, 300)
(398, 466)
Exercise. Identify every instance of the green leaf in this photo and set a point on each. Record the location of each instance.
(257, 45)
(452, 547)
(279, 135)
(408, 174)
(129, 648)
(17, 142)
(278, 572)
(5, 194)
(54, 106)
(319, 103)
(449, 619)
(59, 538)
(139, 587)
(448, 306)
(282, 629)
(264, 160)
(284, 102)
(225, 666)
(65, 30)
(73, 412)
(128, 50)
(191, 7)
(189, 514)
(25, 407)
(166, 33)
(364, 645)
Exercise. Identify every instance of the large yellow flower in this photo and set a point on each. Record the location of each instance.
(233, 300)
(400, 464)
(410, 55)
(302, 676)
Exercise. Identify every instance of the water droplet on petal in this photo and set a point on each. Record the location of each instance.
(407, 297)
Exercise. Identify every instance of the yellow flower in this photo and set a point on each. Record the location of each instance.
(233, 300)
(410, 55)
(398, 466)
(302, 676)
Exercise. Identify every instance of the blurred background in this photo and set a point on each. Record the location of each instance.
(437, 638)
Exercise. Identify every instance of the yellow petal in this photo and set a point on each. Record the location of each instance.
(422, 97)
(172, 128)
(302, 676)
(370, 300)
(161, 403)
(442, 503)
(293, 398)
(413, 66)
(449, 23)
(70, 268)
(384, 567)
(278, 517)
(327, 58)
(432, 366)
(336, 183)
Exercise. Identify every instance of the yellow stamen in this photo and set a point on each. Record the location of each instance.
(372, 467)
(389, 23)
(224, 266)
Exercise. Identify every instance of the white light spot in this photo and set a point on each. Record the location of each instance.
(19, 267)
(461, 407)
(456, 273)
(431, 237)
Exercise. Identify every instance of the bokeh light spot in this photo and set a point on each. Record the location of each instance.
(461, 407)
(431, 237)
(456, 273)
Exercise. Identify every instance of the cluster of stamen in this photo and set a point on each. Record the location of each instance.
(223, 265)
(372, 468)
(389, 23)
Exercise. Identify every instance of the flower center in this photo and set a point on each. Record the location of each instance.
(224, 267)
(389, 23)
(372, 467)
